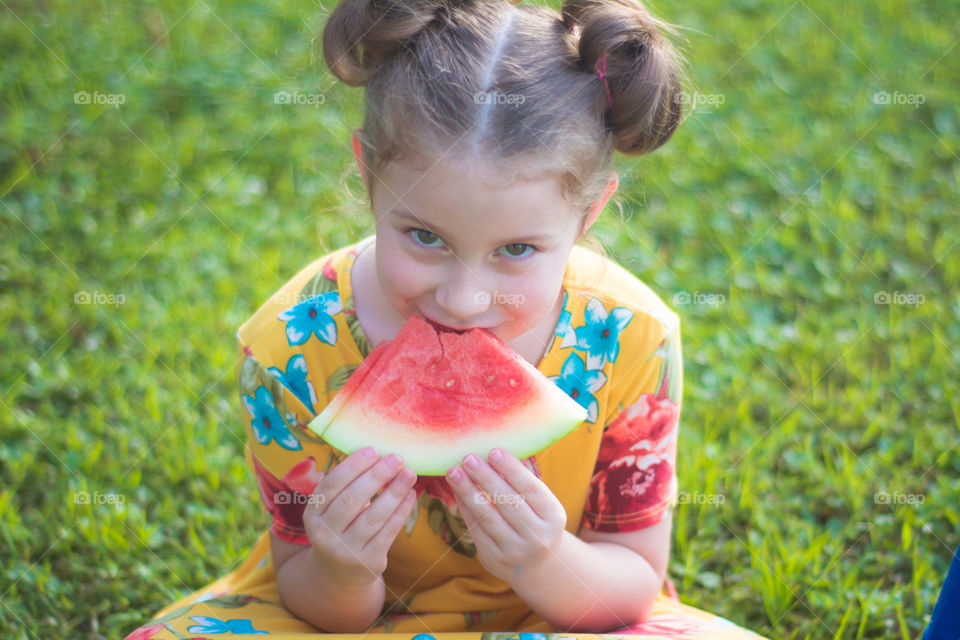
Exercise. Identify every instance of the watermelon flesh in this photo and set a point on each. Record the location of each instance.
(434, 396)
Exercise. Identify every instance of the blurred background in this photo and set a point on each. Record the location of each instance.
(154, 190)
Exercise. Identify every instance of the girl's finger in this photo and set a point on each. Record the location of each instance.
(536, 495)
(481, 538)
(342, 474)
(380, 543)
(502, 496)
(353, 499)
(478, 506)
(372, 519)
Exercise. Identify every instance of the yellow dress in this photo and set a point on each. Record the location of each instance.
(615, 350)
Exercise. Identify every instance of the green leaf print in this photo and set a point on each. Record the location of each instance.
(357, 331)
(235, 601)
(248, 376)
(451, 529)
(339, 377)
(669, 371)
(317, 285)
(176, 613)
(332, 459)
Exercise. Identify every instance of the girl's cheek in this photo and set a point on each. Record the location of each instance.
(406, 282)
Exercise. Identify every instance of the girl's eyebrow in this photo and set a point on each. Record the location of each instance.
(402, 213)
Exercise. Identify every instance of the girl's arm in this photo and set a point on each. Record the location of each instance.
(333, 608)
(600, 585)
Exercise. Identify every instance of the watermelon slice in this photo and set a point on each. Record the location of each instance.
(433, 396)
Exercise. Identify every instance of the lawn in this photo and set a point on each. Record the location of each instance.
(153, 194)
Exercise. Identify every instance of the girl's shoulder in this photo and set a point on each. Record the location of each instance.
(618, 334)
(601, 289)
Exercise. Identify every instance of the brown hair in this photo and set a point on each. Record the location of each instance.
(515, 83)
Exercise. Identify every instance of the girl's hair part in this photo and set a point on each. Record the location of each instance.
(515, 84)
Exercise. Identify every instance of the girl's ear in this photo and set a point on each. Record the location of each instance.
(358, 153)
(600, 203)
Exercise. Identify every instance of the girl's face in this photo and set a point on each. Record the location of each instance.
(467, 246)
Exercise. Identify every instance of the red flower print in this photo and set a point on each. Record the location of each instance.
(436, 487)
(329, 272)
(145, 633)
(635, 465)
(648, 419)
(286, 499)
(303, 477)
(673, 625)
(630, 486)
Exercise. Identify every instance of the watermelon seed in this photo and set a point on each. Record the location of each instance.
(513, 382)
(490, 378)
(450, 383)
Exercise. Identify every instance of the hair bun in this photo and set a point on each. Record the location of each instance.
(641, 69)
(360, 33)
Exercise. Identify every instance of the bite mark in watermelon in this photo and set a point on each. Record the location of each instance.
(434, 396)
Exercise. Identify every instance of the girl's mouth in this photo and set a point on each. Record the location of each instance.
(441, 327)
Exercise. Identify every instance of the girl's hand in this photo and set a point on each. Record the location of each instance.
(513, 517)
(350, 535)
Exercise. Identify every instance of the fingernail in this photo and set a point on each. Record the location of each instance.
(455, 475)
(471, 462)
(369, 453)
(496, 455)
(394, 461)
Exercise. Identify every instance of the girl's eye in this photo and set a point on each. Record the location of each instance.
(522, 247)
(424, 238)
(418, 234)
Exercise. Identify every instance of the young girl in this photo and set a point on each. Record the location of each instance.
(486, 151)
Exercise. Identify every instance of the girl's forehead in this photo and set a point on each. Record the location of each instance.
(470, 169)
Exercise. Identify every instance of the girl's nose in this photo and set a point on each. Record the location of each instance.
(463, 294)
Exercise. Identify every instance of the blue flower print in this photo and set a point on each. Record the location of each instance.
(313, 315)
(295, 379)
(563, 323)
(267, 423)
(527, 635)
(600, 335)
(216, 625)
(580, 384)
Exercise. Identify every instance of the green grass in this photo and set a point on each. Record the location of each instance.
(797, 199)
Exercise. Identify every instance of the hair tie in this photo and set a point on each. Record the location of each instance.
(603, 71)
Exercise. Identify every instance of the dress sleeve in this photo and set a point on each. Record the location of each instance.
(284, 458)
(634, 481)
